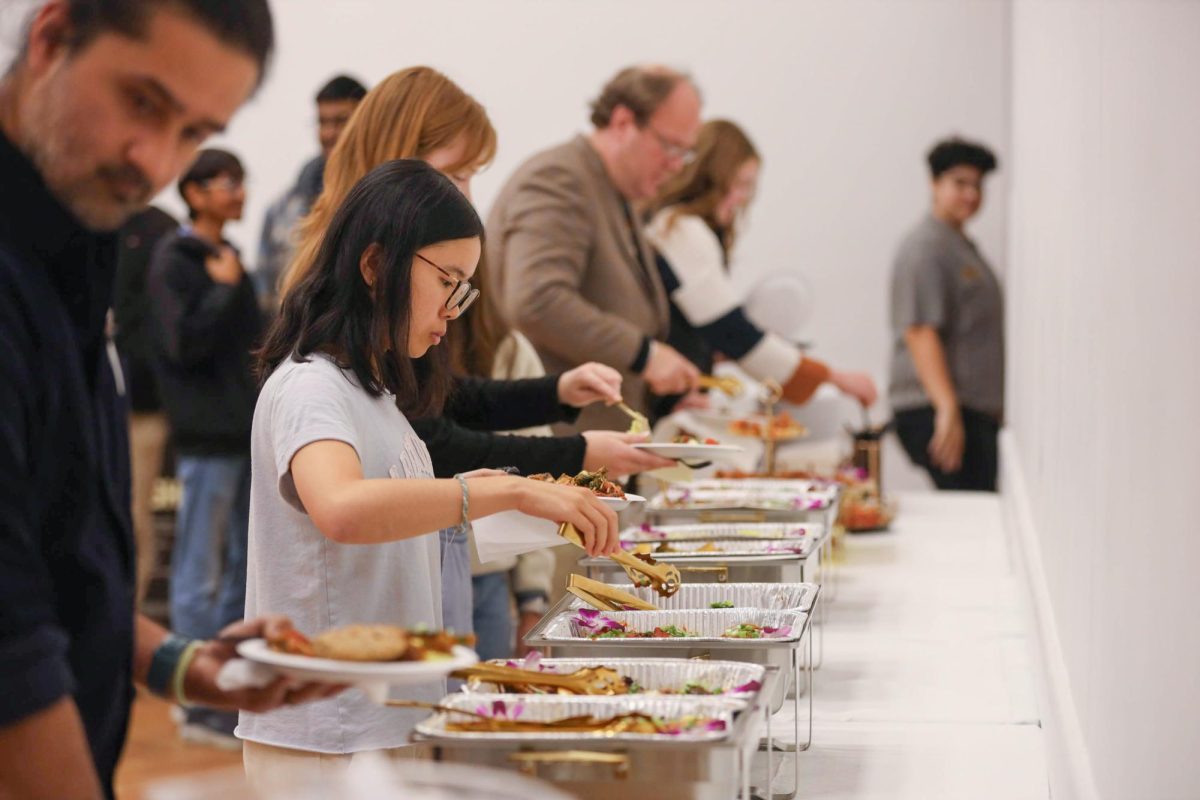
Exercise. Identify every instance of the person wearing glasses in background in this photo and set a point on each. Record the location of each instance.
(207, 321)
(573, 270)
(947, 372)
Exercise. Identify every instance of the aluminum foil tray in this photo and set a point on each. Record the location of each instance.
(709, 531)
(672, 551)
(684, 497)
(657, 675)
(701, 596)
(794, 485)
(707, 624)
(552, 707)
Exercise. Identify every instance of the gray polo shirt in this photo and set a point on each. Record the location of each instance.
(940, 278)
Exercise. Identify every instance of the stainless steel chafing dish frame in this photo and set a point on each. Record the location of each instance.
(827, 516)
(728, 759)
(795, 663)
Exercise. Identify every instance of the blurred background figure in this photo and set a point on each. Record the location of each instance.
(208, 321)
(336, 102)
(135, 338)
(572, 267)
(947, 368)
(693, 229)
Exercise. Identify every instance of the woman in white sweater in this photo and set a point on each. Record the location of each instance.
(693, 229)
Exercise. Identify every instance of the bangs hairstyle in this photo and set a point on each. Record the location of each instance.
(401, 207)
(410, 114)
(208, 164)
(721, 150)
(950, 153)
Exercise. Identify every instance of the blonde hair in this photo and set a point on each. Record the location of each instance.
(410, 114)
(721, 150)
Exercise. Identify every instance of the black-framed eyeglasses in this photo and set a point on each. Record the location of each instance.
(461, 296)
(677, 151)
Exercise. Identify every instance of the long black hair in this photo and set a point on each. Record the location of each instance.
(400, 206)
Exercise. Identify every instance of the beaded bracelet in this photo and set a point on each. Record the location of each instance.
(466, 502)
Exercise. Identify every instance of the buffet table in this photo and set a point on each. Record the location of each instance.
(927, 691)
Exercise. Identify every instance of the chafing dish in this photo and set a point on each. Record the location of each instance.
(712, 765)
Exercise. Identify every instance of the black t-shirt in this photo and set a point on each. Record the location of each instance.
(66, 548)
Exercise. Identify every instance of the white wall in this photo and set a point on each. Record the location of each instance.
(1103, 320)
(842, 96)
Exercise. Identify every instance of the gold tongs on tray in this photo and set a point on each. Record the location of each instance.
(728, 385)
(642, 570)
(604, 597)
(587, 681)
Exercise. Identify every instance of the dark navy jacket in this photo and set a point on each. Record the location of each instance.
(66, 547)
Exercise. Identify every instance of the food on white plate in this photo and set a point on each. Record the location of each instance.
(372, 643)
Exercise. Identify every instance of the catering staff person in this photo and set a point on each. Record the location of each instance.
(575, 274)
(947, 372)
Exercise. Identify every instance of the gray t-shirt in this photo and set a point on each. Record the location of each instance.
(939, 278)
(295, 570)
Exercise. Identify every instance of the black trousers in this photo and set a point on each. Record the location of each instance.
(980, 452)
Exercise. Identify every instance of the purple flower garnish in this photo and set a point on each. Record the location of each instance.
(714, 725)
(646, 527)
(780, 632)
(500, 710)
(590, 621)
(746, 688)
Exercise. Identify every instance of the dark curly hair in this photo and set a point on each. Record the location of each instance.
(953, 152)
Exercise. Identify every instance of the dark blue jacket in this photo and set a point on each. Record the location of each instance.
(66, 547)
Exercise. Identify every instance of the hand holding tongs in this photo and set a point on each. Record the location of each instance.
(645, 571)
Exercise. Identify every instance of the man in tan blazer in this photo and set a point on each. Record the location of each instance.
(573, 270)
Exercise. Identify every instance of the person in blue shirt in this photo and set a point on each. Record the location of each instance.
(105, 103)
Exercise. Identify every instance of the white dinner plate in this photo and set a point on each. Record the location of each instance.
(328, 670)
(622, 503)
(691, 452)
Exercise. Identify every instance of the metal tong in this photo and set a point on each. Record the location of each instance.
(641, 423)
(727, 385)
(584, 681)
(604, 597)
(643, 571)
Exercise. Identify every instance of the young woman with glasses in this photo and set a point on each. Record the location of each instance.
(343, 497)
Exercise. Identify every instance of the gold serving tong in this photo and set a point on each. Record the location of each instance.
(493, 722)
(640, 424)
(643, 571)
(587, 680)
(728, 385)
(605, 597)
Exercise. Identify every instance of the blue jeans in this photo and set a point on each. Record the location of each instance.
(208, 565)
(493, 617)
(456, 580)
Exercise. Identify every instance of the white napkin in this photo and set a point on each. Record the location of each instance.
(238, 673)
(511, 533)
